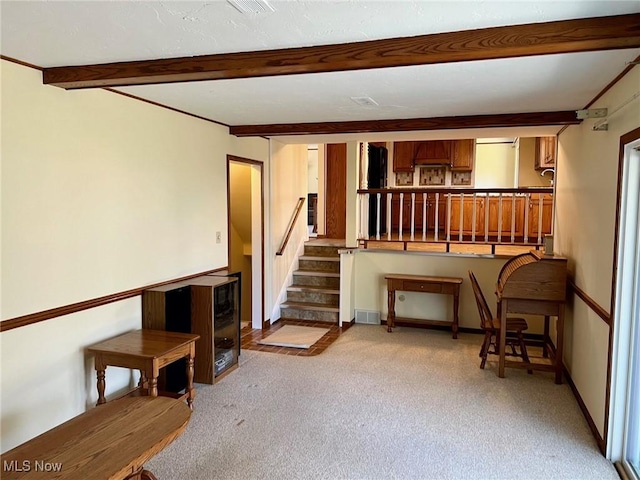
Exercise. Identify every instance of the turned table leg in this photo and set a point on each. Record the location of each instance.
(100, 372)
(391, 313)
(191, 393)
(456, 302)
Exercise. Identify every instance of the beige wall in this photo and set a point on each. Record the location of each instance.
(495, 165)
(100, 194)
(371, 289)
(289, 167)
(586, 177)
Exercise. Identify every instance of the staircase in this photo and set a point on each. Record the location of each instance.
(314, 294)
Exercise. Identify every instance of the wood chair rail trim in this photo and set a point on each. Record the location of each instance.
(30, 319)
(590, 302)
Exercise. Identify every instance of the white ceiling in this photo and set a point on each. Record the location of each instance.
(58, 33)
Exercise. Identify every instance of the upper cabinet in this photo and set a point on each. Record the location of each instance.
(462, 154)
(403, 156)
(433, 152)
(457, 154)
(545, 156)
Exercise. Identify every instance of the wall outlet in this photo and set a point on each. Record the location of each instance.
(218, 237)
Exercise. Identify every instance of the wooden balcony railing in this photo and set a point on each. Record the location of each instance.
(506, 216)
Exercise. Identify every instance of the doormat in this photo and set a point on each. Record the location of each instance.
(294, 336)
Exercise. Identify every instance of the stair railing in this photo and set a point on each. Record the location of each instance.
(292, 223)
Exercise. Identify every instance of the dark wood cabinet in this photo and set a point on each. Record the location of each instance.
(464, 208)
(545, 153)
(539, 217)
(433, 152)
(403, 156)
(463, 153)
(207, 306)
(512, 215)
(424, 209)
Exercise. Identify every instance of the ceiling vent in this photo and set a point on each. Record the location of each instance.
(251, 6)
(364, 101)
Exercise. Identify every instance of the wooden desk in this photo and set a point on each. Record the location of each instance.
(109, 442)
(419, 283)
(147, 351)
(535, 284)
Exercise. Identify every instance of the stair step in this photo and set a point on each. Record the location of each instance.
(313, 289)
(319, 258)
(319, 307)
(313, 273)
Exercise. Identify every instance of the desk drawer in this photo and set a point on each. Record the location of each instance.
(417, 286)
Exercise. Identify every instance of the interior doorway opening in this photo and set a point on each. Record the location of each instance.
(624, 434)
(246, 227)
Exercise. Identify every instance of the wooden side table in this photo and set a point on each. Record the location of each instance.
(424, 284)
(147, 351)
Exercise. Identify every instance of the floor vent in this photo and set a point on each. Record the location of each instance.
(368, 316)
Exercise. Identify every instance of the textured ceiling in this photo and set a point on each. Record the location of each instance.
(73, 33)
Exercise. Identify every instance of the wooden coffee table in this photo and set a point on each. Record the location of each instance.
(148, 351)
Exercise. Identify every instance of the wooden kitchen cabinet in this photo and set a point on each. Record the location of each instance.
(406, 212)
(545, 153)
(463, 153)
(403, 156)
(539, 224)
(419, 212)
(433, 152)
(464, 208)
(508, 217)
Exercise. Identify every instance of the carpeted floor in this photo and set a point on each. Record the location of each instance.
(408, 405)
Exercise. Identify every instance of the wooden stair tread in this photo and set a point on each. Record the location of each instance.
(319, 258)
(321, 307)
(313, 289)
(316, 273)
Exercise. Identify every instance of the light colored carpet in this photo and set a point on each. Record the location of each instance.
(411, 404)
(294, 336)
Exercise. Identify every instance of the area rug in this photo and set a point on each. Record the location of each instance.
(294, 336)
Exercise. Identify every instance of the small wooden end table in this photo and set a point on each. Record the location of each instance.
(148, 351)
(424, 284)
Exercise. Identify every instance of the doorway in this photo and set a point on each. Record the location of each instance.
(245, 202)
(624, 435)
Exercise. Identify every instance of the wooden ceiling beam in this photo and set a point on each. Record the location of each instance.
(535, 119)
(565, 36)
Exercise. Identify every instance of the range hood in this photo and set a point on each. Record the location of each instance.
(433, 152)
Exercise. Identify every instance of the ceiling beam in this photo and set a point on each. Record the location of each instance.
(536, 119)
(566, 36)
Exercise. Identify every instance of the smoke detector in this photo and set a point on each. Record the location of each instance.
(251, 6)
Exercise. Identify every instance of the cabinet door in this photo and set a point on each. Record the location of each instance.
(441, 204)
(406, 212)
(545, 153)
(464, 208)
(403, 155)
(509, 217)
(462, 154)
(539, 223)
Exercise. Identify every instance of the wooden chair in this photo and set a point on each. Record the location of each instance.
(491, 326)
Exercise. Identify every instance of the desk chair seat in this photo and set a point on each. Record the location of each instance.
(491, 326)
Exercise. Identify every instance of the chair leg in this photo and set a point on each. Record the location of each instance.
(485, 349)
(523, 350)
